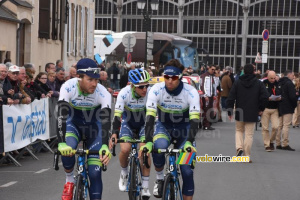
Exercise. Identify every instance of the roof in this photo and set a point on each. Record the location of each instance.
(4, 14)
(21, 3)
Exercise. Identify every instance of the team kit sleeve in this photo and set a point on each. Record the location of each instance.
(194, 114)
(63, 110)
(105, 113)
(119, 108)
(151, 110)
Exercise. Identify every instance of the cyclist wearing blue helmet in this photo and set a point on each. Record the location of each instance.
(130, 110)
(84, 109)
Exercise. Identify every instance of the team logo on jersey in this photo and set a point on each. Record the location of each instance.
(124, 96)
(156, 92)
(68, 89)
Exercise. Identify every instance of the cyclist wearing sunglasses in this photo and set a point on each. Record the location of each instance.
(178, 108)
(131, 107)
(84, 108)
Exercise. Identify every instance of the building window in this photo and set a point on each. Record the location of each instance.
(44, 19)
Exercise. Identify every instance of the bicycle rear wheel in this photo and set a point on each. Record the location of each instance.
(170, 191)
(132, 193)
(79, 188)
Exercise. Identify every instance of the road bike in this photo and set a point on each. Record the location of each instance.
(171, 187)
(82, 185)
(134, 184)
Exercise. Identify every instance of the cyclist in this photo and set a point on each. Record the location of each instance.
(84, 109)
(178, 117)
(131, 107)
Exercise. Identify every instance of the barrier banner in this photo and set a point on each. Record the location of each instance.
(24, 124)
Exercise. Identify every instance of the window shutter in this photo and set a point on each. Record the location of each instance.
(44, 19)
(54, 20)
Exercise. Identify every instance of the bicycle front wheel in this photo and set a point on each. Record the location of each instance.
(170, 191)
(132, 193)
(79, 188)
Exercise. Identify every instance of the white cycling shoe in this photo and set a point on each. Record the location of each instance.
(145, 194)
(123, 182)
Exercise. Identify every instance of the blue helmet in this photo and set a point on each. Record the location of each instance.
(138, 76)
(89, 67)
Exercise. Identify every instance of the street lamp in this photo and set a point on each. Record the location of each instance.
(143, 5)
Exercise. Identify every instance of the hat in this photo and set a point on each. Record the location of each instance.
(13, 68)
(89, 67)
(228, 68)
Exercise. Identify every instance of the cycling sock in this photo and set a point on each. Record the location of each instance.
(160, 175)
(70, 177)
(145, 181)
(124, 171)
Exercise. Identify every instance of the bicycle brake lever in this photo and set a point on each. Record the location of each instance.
(104, 168)
(145, 158)
(114, 147)
(55, 162)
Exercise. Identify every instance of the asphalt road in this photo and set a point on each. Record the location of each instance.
(272, 175)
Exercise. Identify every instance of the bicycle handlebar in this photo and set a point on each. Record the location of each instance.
(78, 152)
(171, 150)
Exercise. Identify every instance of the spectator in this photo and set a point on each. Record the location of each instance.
(115, 77)
(73, 72)
(59, 64)
(249, 97)
(190, 70)
(30, 72)
(296, 116)
(50, 67)
(185, 72)
(124, 79)
(103, 81)
(271, 112)
(42, 89)
(22, 83)
(51, 84)
(239, 73)
(226, 85)
(150, 72)
(5, 87)
(121, 69)
(209, 88)
(286, 109)
(60, 78)
(13, 73)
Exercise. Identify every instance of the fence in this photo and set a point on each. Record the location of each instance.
(23, 125)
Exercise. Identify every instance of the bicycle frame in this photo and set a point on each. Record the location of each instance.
(133, 157)
(83, 171)
(173, 168)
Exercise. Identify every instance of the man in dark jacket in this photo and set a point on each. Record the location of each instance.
(115, 76)
(271, 111)
(250, 97)
(286, 109)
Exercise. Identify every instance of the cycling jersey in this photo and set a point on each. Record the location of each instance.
(86, 106)
(173, 110)
(132, 110)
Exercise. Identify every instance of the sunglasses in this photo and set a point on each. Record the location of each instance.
(174, 77)
(141, 86)
(94, 70)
